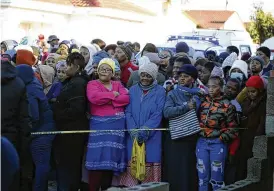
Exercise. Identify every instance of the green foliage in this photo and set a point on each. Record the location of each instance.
(262, 25)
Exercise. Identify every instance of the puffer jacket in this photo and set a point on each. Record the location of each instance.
(218, 119)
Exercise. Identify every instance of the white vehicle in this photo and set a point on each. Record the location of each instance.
(203, 39)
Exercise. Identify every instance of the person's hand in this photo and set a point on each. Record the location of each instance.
(133, 134)
(169, 87)
(116, 93)
(191, 104)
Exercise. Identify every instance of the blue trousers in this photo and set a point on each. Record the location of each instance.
(41, 152)
(211, 156)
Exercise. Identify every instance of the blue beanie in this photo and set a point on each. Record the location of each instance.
(182, 47)
(190, 70)
(259, 59)
(65, 42)
(97, 57)
(222, 57)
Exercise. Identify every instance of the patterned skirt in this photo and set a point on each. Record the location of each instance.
(106, 150)
(153, 174)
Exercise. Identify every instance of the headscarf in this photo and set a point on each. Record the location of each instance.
(60, 64)
(47, 74)
(97, 57)
(92, 50)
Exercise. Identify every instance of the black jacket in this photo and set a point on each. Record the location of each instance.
(69, 112)
(15, 118)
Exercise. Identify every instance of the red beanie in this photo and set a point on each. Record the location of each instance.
(25, 57)
(255, 82)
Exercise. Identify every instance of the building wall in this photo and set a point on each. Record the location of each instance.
(234, 23)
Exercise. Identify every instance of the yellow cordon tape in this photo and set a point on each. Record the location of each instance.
(95, 131)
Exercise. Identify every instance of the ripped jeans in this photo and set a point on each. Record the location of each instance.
(211, 156)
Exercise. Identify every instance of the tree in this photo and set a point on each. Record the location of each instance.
(261, 26)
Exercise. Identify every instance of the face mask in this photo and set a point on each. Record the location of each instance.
(237, 75)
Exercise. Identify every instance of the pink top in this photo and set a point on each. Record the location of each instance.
(103, 101)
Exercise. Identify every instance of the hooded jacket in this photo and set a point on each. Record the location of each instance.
(41, 114)
(92, 50)
(15, 118)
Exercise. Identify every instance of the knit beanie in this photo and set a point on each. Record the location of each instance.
(230, 60)
(190, 70)
(217, 71)
(241, 65)
(109, 62)
(97, 57)
(153, 57)
(127, 50)
(255, 82)
(150, 68)
(25, 57)
(222, 57)
(259, 59)
(65, 42)
(182, 47)
(265, 50)
(210, 53)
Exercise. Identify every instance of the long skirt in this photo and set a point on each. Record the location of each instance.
(153, 174)
(106, 149)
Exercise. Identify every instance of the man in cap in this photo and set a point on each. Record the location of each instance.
(123, 54)
(53, 41)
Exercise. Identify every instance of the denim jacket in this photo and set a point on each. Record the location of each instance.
(177, 99)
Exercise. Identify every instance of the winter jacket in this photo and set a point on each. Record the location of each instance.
(71, 104)
(135, 78)
(103, 102)
(126, 72)
(9, 164)
(141, 113)
(177, 99)
(41, 114)
(54, 90)
(218, 119)
(70, 113)
(15, 118)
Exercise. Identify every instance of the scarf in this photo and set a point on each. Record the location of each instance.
(147, 88)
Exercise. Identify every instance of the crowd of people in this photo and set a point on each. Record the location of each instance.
(104, 88)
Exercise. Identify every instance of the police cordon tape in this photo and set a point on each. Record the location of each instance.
(95, 131)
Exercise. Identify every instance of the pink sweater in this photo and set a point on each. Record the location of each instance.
(103, 102)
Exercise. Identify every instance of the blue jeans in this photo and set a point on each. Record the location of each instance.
(211, 156)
